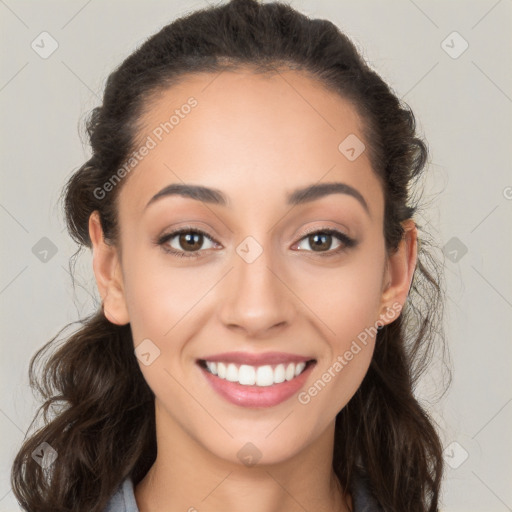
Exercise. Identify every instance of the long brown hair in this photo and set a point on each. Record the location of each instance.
(97, 408)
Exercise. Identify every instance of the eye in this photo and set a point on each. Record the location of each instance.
(189, 242)
(185, 242)
(321, 241)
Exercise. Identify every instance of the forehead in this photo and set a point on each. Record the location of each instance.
(243, 132)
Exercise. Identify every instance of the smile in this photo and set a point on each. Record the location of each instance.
(248, 375)
(256, 380)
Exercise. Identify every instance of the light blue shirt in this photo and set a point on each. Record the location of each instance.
(124, 499)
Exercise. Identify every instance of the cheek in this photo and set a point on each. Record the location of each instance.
(335, 383)
(347, 305)
(345, 298)
(159, 296)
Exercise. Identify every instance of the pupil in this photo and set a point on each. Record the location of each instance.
(320, 241)
(190, 238)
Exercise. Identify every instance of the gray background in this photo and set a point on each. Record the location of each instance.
(463, 106)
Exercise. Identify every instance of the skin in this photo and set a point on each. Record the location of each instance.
(255, 138)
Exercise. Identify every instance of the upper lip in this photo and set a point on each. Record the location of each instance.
(257, 359)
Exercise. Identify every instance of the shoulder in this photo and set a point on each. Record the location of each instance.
(124, 499)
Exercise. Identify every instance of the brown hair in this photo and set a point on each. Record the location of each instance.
(102, 413)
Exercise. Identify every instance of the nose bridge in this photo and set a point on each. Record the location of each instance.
(256, 298)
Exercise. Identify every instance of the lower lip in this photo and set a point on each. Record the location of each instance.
(257, 396)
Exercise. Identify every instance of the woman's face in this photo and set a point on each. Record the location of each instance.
(265, 287)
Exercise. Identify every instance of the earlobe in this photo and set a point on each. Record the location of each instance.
(400, 271)
(107, 271)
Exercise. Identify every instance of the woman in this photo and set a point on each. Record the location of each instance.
(266, 304)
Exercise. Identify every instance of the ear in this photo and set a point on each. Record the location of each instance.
(107, 270)
(398, 273)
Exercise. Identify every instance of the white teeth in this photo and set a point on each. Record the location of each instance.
(232, 373)
(248, 375)
(299, 368)
(264, 376)
(290, 371)
(212, 366)
(279, 375)
(221, 370)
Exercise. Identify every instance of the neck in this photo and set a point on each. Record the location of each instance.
(188, 477)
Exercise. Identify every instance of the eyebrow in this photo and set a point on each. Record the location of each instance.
(297, 197)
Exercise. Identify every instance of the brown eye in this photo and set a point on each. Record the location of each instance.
(186, 242)
(190, 241)
(322, 242)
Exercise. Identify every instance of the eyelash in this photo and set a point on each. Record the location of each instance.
(347, 242)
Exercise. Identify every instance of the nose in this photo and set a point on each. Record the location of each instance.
(257, 300)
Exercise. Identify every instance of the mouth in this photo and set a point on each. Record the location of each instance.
(256, 385)
(251, 375)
